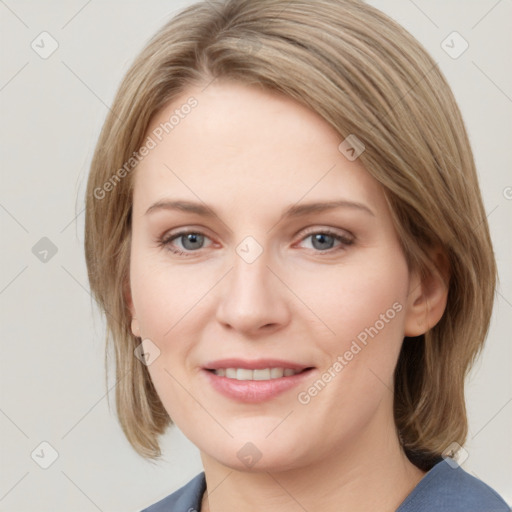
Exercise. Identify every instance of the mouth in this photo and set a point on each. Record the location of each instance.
(259, 374)
(255, 381)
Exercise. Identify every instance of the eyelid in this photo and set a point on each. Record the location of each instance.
(174, 235)
(343, 234)
(184, 230)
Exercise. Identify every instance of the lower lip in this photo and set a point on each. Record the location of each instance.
(253, 391)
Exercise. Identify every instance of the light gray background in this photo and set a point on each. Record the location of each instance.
(52, 378)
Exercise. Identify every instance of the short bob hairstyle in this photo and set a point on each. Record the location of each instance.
(364, 75)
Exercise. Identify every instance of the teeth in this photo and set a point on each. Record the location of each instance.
(275, 373)
(261, 374)
(243, 374)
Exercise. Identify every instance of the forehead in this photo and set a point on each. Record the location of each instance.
(243, 144)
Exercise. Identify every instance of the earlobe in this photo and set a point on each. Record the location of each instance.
(427, 298)
(135, 327)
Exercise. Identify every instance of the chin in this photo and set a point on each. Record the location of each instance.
(257, 456)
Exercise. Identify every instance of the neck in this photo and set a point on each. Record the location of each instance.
(371, 473)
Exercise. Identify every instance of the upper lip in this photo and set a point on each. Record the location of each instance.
(255, 364)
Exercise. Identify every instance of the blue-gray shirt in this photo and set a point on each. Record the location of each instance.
(443, 489)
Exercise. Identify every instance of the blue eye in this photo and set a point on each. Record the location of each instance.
(186, 243)
(190, 241)
(323, 241)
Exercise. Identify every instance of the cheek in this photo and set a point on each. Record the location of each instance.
(363, 313)
(349, 300)
(170, 303)
(168, 308)
(365, 309)
(165, 296)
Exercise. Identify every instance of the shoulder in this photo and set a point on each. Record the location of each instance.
(447, 487)
(186, 499)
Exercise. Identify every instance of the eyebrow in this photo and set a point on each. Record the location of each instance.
(295, 210)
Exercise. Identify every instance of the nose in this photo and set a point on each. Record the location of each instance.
(253, 299)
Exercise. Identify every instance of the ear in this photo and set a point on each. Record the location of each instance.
(135, 327)
(427, 297)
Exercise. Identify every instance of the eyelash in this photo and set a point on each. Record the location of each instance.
(165, 241)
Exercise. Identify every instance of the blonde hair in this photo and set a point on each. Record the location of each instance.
(365, 75)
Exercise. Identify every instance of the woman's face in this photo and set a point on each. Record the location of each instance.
(258, 246)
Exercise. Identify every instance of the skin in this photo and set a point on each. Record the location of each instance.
(249, 154)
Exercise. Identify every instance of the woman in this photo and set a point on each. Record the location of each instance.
(285, 230)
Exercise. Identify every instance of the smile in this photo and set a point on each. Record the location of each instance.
(255, 381)
(260, 374)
